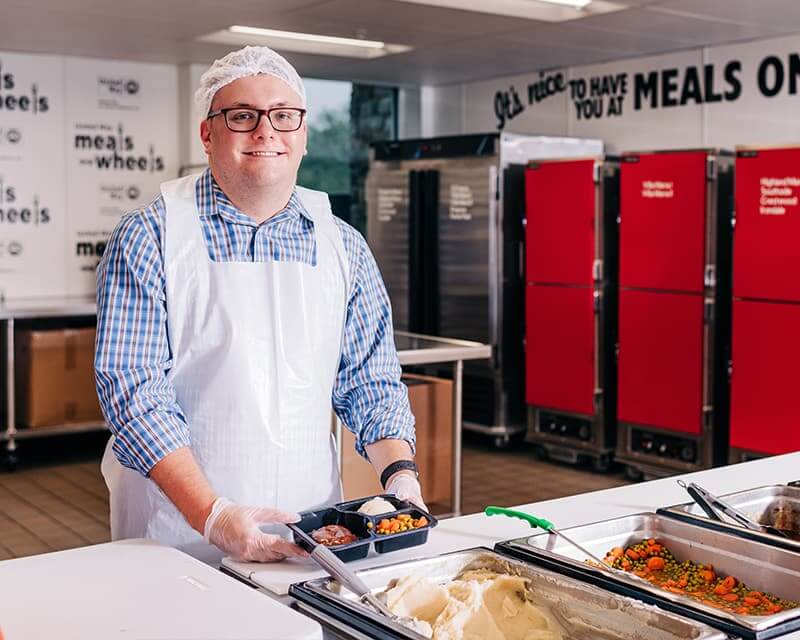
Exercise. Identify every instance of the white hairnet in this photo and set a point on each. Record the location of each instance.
(249, 61)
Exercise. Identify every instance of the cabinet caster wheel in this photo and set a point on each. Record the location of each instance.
(601, 464)
(632, 473)
(9, 461)
(502, 442)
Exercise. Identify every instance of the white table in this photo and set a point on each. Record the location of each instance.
(136, 590)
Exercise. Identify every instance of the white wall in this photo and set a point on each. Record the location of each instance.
(754, 118)
(191, 149)
(442, 110)
(409, 113)
(713, 113)
(82, 141)
(58, 205)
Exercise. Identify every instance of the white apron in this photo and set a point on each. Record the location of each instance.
(255, 348)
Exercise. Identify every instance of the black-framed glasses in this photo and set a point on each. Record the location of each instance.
(244, 119)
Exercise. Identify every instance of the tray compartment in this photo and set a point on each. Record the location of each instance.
(353, 505)
(311, 520)
(385, 543)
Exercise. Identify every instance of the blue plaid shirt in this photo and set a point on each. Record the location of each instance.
(133, 356)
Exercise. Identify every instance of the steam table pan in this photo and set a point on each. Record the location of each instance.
(776, 505)
(760, 566)
(586, 612)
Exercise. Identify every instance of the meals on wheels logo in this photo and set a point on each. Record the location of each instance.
(113, 149)
(15, 97)
(90, 245)
(117, 86)
(120, 193)
(119, 93)
(20, 211)
(10, 136)
(10, 248)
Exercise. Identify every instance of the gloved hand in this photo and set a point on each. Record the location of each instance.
(234, 530)
(406, 487)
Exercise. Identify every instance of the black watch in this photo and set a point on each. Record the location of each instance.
(398, 465)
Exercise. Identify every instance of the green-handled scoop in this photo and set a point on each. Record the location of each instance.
(542, 524)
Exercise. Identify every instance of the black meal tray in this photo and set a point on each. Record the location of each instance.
(346, 514)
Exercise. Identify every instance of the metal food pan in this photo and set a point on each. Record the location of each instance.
(586, 612)
(760, 566)
(775, 505)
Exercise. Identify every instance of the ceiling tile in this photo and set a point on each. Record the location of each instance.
(782, 15)
(615, 43)
(690, 30)
(450, 45)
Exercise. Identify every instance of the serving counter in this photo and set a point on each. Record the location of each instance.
(466, 532)
(478, 530)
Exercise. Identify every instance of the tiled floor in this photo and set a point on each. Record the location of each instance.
(49, 505)
(515, 476)
(51, 508)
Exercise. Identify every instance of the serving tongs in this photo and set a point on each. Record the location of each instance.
(711, 504)
(340, 572)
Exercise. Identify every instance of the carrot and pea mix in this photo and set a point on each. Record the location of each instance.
(654, 562)
(403, 522)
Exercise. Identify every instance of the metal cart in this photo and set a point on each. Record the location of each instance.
(34, 309)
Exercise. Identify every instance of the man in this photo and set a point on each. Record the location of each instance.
(233, 312)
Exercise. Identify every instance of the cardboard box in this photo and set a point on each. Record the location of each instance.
(431, 402)
(55, 377)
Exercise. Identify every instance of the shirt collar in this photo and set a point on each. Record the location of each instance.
(212, 200)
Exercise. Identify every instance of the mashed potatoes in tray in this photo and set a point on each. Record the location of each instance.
(476, 605)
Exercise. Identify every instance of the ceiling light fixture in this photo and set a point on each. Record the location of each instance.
(578, 4)
(543, 10)
(238, 35)
(308, 37)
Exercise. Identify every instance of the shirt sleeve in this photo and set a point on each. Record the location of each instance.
(368, 395)
(132, 355)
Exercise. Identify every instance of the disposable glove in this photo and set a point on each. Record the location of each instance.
(406, 487)
(235, 530)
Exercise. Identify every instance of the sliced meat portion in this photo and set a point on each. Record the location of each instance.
(332, 535)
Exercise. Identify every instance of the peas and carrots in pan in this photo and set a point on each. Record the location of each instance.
(654, 562)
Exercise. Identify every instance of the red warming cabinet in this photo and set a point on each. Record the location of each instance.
(765, 405)
(674, 310)
(570, 307)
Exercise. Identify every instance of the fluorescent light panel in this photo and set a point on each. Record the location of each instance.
(544, 10)
(310, 37)
(238, 35)
(578, 4)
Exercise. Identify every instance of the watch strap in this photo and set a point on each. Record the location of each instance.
(394, 467)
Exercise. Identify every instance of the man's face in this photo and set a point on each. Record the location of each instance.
(260, 158)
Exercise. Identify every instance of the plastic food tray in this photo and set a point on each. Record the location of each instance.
(346, 514)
